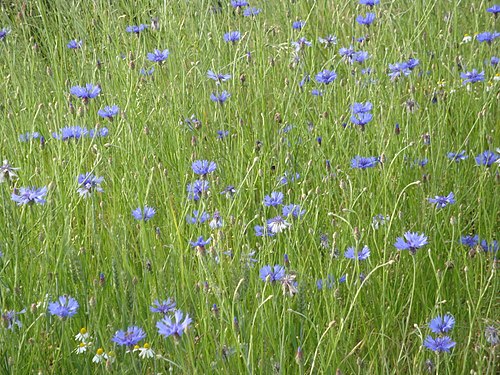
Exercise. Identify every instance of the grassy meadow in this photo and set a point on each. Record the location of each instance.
(335, 225)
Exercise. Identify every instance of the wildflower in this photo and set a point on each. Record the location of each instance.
(144, 72)
(99, 356)
(218, 77)
(360, 162)
(82, 335)
(293, 210)
(273, 200)
(29, 136)
(64, 307)
(7, 172)
(398, 70)
(494, 60)
(495, 9)
(30, 195)
(328, 40)
(361, 108)
(442, 201)
(360, 57)
(220, 97)
(413, 242)
(470, 241)
(167, 327)
(197, 218)
(487, 37)
(491, 334)
(301, 43)
(367, 20)
(298, 25)
(486, 158)
(328, 282)
(163, 307)
(109, 112)
(82, 347)
(144, 214)
(467, 38)
(316, 92)
(350, 253)
(489, 247)
(4, 32)
(146, 351)
(197, 189)
(74, 44)
(326, 76)
(269, 274)
(229, 191)
(347, 53)
(472, 77)
(232, 36)
(203, 167)
(89, 183)
(239, 3)
(261, 231)
(200, 244)
(288, 177)
(442, 324)
(249, 12)
(361, 119)
(130, 337)
(370, 3)
(379, 220)
(439, 344)
(277, 224)
(457, 157)
(85, 93)
(221, 134)
(216, 221)
(10, 319)
(136, 29)
(158, 55)
(289, 285)
(77, 132)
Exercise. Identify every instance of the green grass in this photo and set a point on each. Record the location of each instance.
(372, 327)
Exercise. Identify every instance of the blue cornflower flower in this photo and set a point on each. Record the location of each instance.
(316, 92)
(197, 217)
(167, 327)
(442, 324)
(398, 70)
(239, 3)
(249, 12)
(273, 200)
(439, 344)
(74, 44)
(144, 214)
(472, 77)
(221, 134)
(85, 93)
(360, 162)
(261, 231)
(136, 29)
(361, 119)
(232, 36)
(288, 177)
(109, 112)
(216, 221)
(163, 307)
(293, 210)
(10, 319)
(277, 224)
(64, 307)
(328, 283)
(77, 132)
(489, 247)
(414, 241)
(158, 55)
(270, 274)
(88, 184)
(326, 76)
(367, 20)
(347, 52)
(469, 240)
(298, 25)
(495, 9)
(220, 98)
(370, 3)
(379, 220)
(203, 167)
(144, 72)
(486, 158)
(360, 57)
(442, 201)
(487, 37)
(491, 332)
(412, 63)
(197, 189)
(29, 136)
(328, 40)
(218, 77)
(130, 337)
(30, 195)
(200, 243)
(361, 108)
(304, 80)
(494, 60)
(4, 32)
(7, 172)
(301, 43)
(456, 157)
(350, 253)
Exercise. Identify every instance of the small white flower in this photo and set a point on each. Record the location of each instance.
(146, 351)
(82, 336)
(100, 356)
(467, 38)
(82, 347)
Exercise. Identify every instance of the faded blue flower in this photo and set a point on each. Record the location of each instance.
(167, 327)
(89, 91)
(74, 44)
(88, 183)
(163, 307)
(486, 158)
(232, 36)
(326, 76)
(30, 195)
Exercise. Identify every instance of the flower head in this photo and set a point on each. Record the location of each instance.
(109, 112)
(144, 214)
(163, 307)
(398, 70)
(89, 183)
(270, 274)
(472, 77)
(4, 32)
(361, 119)
(361, 108)
(367, 20)
(77, 132)
(74, 44)
(100, 356)
(136, 29)
(64, 307)
(439, 344)
(326, 76)
(167, 327)
(232, 36)
(197, 189)
(158, 55)
(89, 91)
(198, 217)
(328, 40)
(273, 200)
(220, 97)
(487, 158)
(442, 201)
(442, 324)
(470, 241)
(487, 37)
(7, 171)
(369, 3)
(301, 43)
(360, 162)
(30, 195)
(277, 224)
(350, 253)
(10, 319)
(203, 167)
(414, 241)
(293, 210)
(491, 334)
(298, 25)
(239, 3)
(250, 12)
(218, 77)
(130, 337)
(457, 156)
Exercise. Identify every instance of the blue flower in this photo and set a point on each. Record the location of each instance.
(456, 157)
(130, 337)
(298, 25)
(360, 162)
(85, 93)
(64, 307)
(361, 108)
(261, 231)
(293, 210)
(273, 200)
(412, 63)
(350, 253)
(200, 243)
(197, 189)
(301, 43)
(367, 20)
(489, 247)
(77, 132)
(30, 195)
(277, 224)
(316, 92)
(144, 72)
(328, 283)
(145, 214)
(442, 201)
(269, 274)
(494, 60)
(158, 55)
(232, 36)
(414, 241)
(203, 167)
(486, 158)
(328, 40)
(361, 119)
(29, 136)
(370, 3)
(220, 97)
(74, 44)
(239, 3)
(326, 76)
(218, 77)
(216, 221)
(7, 172)
(163, 307)
(439, 344)
(347, 52)
(89, 183)
(288, 177)
(167, 327)
(442, 324)
(109, 112)
(487, 37)
(4, 32)
(136, 29)
(472, 77)
(495, 9)
(11, 320)
(470, 241)
(221, 134)
(360, 57)
(398, 70)
(197, 218)
(249, 12)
